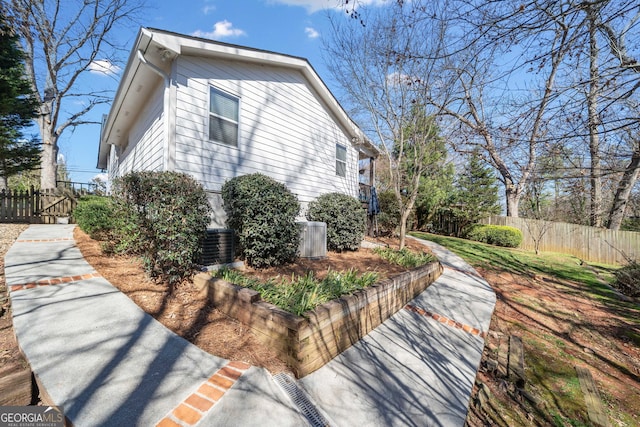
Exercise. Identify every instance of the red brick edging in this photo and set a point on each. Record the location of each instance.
(450, 322)
(459, 270)
(190, 411)
(54, 281)
(60, 239)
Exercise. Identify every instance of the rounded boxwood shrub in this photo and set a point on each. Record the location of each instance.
(499, 235)
(163, 217)
(346, 220)
(95, 215)
(262, 212)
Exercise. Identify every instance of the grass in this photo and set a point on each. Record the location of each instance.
(303, 293)
(517, 261)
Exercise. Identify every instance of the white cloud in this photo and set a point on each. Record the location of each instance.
(221, 29)
(104, 66)
(311, 33)
(313, 6)
(208, 8)
(397, 78)
(104, 177)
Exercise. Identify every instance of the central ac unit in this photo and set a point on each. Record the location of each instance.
(313, 239)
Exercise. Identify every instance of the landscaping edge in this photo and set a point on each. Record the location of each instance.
(308, 342)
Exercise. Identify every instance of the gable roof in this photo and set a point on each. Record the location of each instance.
(158, 48)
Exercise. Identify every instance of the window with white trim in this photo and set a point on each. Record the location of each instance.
(341, 160)
(223, 117)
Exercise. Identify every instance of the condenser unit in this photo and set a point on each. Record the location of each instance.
(313, 239)
(218, 247)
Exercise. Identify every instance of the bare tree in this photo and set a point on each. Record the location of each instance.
(618, 26)
(62, 40)
(386, 88)
(507, 120)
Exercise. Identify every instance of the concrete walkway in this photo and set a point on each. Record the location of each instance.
(107, 363)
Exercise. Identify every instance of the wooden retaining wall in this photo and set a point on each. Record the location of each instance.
(308, 342)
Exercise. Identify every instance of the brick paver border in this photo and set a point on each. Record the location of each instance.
(190, 411)
(445, 320)
(54, 281)
(60, 239)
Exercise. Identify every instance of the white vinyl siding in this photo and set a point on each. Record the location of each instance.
(144, 150)
(285, 131)
(223, 117)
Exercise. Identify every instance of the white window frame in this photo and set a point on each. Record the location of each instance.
(221, 92)
(340, 162)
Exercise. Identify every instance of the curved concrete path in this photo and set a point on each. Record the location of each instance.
(107, 363)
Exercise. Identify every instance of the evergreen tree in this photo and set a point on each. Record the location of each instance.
(18, 107)
(476, 194)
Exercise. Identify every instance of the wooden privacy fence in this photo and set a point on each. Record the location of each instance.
(587, 243)
(35, 206)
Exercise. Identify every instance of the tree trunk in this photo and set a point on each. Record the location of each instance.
(594, 121)
(49, 166)
(49, 163)
(513, 201)
(629, 178)
(403, 230)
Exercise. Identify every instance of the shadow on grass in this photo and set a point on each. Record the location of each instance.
(565, 268)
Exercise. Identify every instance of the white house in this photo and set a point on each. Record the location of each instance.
(217, 111)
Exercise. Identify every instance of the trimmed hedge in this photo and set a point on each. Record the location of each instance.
(498, 235)
(262, 212)
(346, 220)
(95, 215)
(162, 216)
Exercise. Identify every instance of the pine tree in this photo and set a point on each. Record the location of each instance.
(18, 107)
(476, 195)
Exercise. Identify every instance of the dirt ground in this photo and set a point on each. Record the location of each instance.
(562, 325)
(194, 318)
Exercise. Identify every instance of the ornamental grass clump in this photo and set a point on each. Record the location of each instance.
(302, 293)
(405, 257)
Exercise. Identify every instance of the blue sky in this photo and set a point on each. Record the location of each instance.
(293, 27)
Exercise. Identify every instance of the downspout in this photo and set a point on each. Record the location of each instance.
(166, 107)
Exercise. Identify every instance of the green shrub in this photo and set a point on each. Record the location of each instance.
(628, 279)
(346, 220)
(498, 235)
(95, 215)
(389, 216)
(405, 257)
(163, 217)
(262, 212)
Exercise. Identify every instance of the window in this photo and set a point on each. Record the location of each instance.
(341, 160)
(223, 117)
